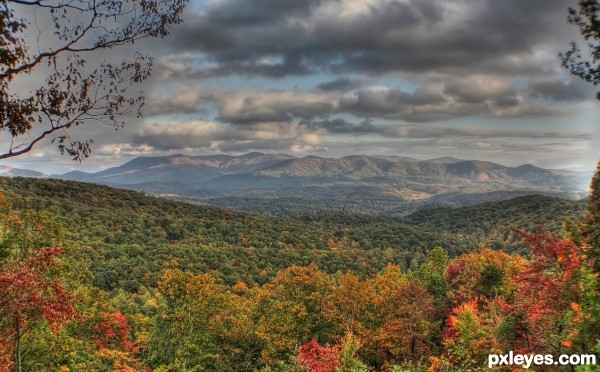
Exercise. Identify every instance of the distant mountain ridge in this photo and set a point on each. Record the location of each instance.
(206, 167)
(277, 183)
(176, 167)
(8, 171)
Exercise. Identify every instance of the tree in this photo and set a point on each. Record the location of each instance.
(72, 91)
(587, 18)
(317, 358)
(289, 311)
(346, 312)
(468, 337)
(590, 226)
(556, 300)
(406, 313)
(30, 293)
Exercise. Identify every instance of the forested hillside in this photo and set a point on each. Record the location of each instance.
(122, 230)
(95, 278)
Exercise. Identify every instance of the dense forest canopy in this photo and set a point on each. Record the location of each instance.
(120, 230)
(118, 280)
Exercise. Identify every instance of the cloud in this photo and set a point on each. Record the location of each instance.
(272, 38)
(340, 84)
(425, 105)
(201, 135)
(479, 89)
(461, 58)
(557, 90)
(307, 134)
(339, 126)
(429, 131)
(185, 101)
(178, 136)
(245, 106)
(480, 97)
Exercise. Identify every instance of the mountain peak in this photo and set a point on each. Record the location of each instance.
(445, 160)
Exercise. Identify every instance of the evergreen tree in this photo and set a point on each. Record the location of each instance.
(591, 220)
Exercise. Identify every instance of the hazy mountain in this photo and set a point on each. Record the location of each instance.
(445, 160)
(277, 183)
(7, 171)
(176, 168)
(73, 176)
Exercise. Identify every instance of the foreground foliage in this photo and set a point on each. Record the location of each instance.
(62, 309)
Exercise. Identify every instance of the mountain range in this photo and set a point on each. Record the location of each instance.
(281, 183)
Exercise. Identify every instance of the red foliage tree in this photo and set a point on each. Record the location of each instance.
(547, 289)
(29, 293)
(113, 332)
(320, 358)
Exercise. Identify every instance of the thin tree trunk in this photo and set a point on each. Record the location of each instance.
(18, 342)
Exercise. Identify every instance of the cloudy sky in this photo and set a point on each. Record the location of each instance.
(476, 79)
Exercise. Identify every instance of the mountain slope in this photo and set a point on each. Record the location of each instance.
(359, 183)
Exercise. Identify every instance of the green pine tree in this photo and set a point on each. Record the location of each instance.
(591, 220)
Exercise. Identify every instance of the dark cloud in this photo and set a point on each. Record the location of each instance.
(463, 58)
(556, 90)
(422, 131)
(425, 105)
(373, 37)
(394, 104)
(483, 98)
(341, 126)
(291, 65)
(178, 136)
(340, 84)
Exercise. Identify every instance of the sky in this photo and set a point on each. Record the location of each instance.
(472, 79)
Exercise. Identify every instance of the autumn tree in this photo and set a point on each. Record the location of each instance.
(317, 358)
(289, 311)
(482, 274)
(46, 41)
(407, 315)
(182, 338)
(350, 307)
(202, 327)
(405, 310)
(30, 293)
(556, 306)
(31, 290)
(468, 337)
(587, 18)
